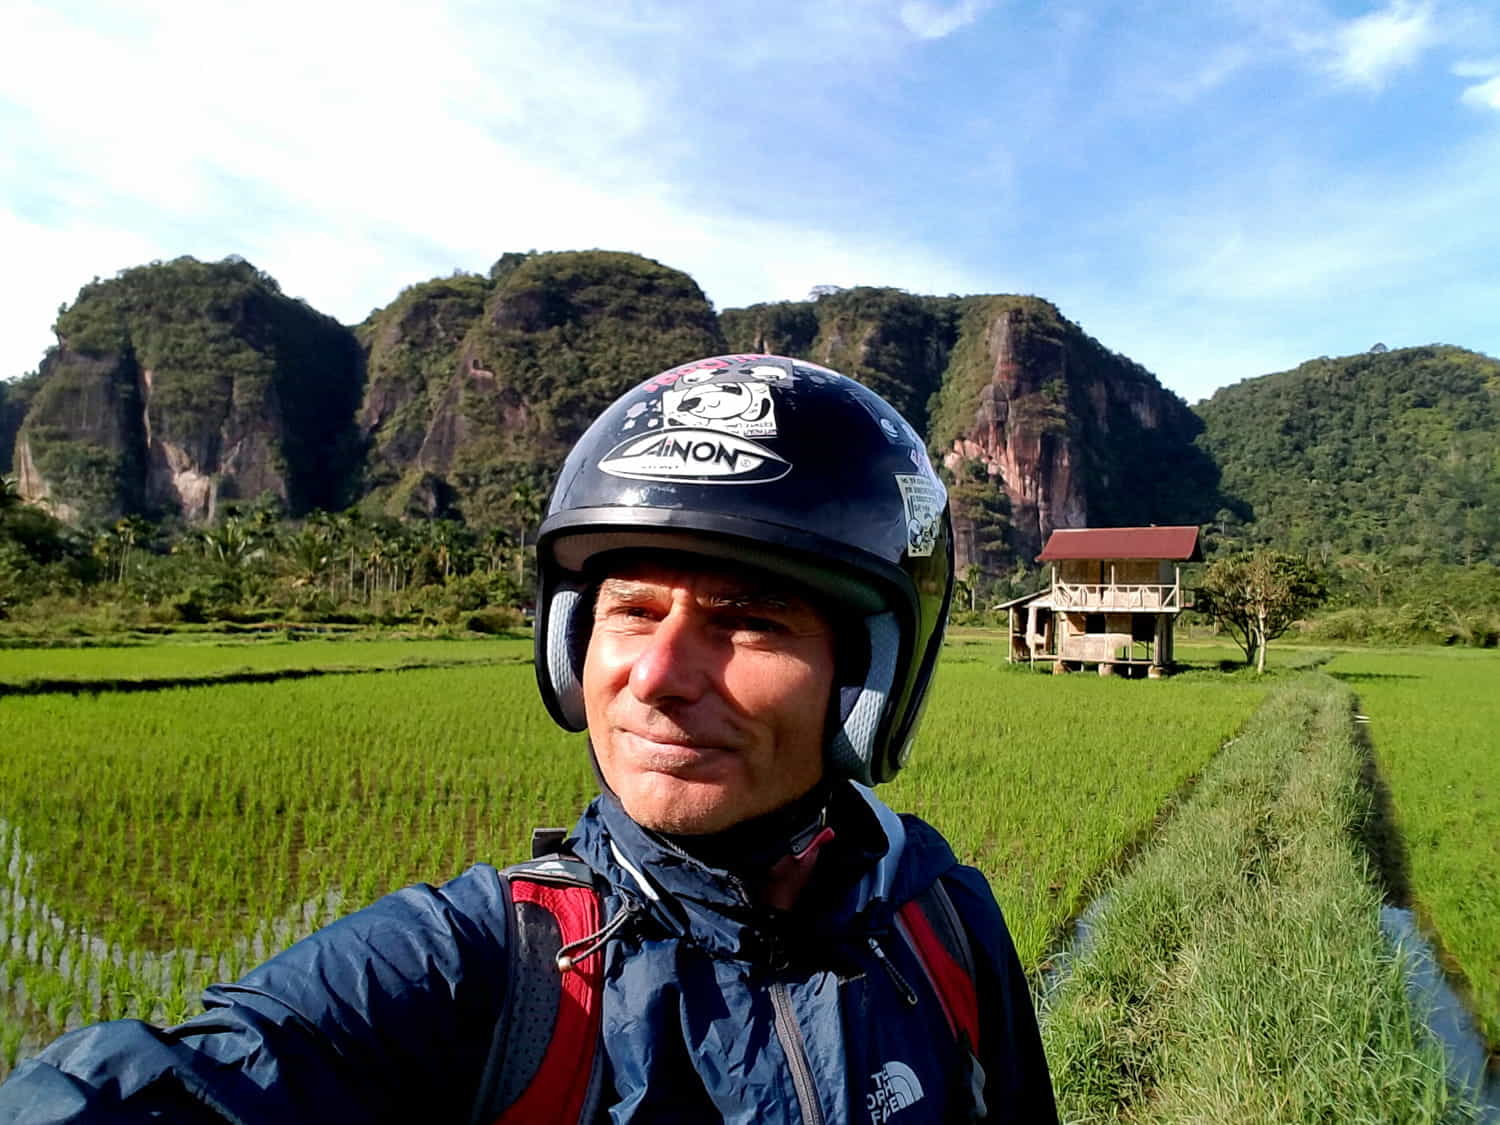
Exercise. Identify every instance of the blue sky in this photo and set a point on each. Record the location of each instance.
(1217, 190)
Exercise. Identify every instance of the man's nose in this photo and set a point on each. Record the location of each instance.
(673, 662)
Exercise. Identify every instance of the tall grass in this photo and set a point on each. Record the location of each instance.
(1237, 972)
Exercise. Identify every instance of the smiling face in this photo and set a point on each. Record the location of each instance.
(706, 690)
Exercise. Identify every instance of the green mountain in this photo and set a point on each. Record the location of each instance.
(177, 386)
(1386, 453)
(180, 384)
(1036, 424)
(478, 387)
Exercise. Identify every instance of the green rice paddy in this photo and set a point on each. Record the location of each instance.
(1434, 722)
(153, 842)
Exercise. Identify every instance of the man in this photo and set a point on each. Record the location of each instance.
(743, 580)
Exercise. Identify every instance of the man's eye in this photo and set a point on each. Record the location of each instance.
(749, 623)
(625, 613)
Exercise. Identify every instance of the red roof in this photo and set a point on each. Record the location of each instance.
(1179, 543)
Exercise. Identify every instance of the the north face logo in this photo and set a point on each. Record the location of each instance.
(896, 1088)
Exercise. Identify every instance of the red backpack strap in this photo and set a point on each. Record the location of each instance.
(544, 1063)
(931, 926)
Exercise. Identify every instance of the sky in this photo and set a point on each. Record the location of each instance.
(1217, 190)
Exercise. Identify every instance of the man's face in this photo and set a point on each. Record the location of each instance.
(706, 691)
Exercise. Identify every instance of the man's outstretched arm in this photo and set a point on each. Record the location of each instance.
(384, 1015)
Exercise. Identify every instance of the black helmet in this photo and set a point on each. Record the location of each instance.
(783, 465)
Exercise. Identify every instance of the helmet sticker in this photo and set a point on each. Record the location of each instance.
(710, 366)
(647, 414)
(922, 497)
(815, 372)
(741, 408)
(702, 456)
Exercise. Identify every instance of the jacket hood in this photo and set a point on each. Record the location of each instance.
(878, 861)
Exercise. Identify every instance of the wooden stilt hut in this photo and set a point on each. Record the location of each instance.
(1114, 598)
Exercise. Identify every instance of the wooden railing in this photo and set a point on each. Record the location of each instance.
(1124, 596)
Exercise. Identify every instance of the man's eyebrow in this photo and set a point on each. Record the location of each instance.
(751, 599)
(626, 590)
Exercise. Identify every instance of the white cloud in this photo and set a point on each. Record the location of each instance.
(353, 157)
(1485, 94)
(1476, 68)
(46, 266)
(1367, 50)
(929, 20)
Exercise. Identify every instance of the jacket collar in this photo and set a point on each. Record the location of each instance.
(859, 879)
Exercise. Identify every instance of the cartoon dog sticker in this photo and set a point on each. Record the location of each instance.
(733, 406)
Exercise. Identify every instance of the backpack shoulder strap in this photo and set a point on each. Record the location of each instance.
(931, 926)
(544, 1063)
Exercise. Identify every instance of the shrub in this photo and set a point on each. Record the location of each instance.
(495, 619)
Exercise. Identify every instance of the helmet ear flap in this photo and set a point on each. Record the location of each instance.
(851, 751)
(567, 643)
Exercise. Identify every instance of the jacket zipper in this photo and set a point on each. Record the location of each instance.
(796, 1054)
(895, 974)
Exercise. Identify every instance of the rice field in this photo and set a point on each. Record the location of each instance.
(153, 842)
(1434, 722)
(1044, 781)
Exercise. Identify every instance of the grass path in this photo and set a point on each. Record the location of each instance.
(1237, 971)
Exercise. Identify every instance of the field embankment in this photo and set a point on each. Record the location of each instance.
(1045, 782)
(1237, 972)
(37, 670)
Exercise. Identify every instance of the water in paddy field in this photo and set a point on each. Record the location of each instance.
(1448, 1018)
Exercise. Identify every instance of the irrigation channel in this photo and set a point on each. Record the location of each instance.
(1448, 1018)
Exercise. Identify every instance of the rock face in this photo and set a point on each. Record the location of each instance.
(178, 385)
(1074, 433)
(1037, 425)
(477, 389)
(411, 354)
(15, 399)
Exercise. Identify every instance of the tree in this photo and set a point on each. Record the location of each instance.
(1258, 596)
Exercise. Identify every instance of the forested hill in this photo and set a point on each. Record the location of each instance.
(182, 386)
(179, 388)
(1393, 453)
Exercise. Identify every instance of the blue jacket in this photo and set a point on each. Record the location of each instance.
(714, 1008)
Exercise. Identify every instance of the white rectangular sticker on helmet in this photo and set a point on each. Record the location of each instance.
(922, 497)
(699, 456)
